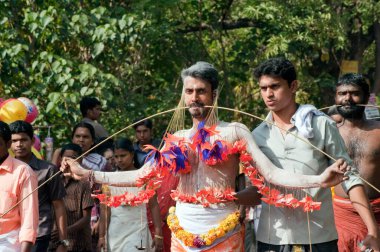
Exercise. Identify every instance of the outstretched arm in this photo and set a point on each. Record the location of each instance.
(125, 178)
(333, 175)
(360, 202)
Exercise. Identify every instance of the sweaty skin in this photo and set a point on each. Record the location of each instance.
(363, 144)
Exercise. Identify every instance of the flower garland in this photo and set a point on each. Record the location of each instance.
(173, 158)
(150, 181)
(205, 197)
(271, 196)
(127, 198)
(206, 239)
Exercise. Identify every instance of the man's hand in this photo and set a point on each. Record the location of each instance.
(370, 243)
(334, 174)
(102, 245)
(61, 248)
(158, 244)
(95, 228)
(72, 168)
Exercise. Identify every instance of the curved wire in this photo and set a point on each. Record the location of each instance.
(182, 108)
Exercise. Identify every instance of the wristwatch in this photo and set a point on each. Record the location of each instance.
(65, 243)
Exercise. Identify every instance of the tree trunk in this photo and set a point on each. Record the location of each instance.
(376, 87)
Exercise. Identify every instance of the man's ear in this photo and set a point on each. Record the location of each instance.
(294, 86)
(214, 93)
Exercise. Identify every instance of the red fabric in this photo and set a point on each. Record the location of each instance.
(169, 183)
(351, 229)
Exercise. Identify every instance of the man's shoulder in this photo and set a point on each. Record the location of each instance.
(18, 164)
(223, 124)
(39, 164)
(260, 129)
(320, 120)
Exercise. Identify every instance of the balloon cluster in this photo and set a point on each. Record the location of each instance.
(18, 109)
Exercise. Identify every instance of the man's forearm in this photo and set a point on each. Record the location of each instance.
(60, 218)
(361, 204)
(26, 246)
(248, 197)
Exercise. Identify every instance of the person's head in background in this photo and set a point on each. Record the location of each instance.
(5, 139)
(105, 149)
(351, 89)
(22, 140)
(91, 108)
(334, 114)
(124, 154)
(83, 135)
(71, 150)
(108, 154)
(143, 132)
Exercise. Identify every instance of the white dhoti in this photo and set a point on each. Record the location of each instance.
(9, 242)
(197, 219)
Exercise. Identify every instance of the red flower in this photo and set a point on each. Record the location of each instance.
(290, 201)
(274, 198)
(309, 205)
(245, 157)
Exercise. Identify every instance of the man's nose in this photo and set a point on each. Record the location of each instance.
(269, 92)
(194, 97)
(347, 97)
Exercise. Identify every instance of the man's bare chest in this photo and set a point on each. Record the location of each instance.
(363, 145)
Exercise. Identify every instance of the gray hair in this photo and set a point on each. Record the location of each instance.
(204, 71)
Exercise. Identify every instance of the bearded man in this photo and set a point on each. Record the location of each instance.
(362, 139)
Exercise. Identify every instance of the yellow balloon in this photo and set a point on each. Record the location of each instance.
(12, 110)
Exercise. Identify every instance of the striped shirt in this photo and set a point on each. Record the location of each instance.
(77, 199)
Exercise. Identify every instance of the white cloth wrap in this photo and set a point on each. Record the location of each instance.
(9, 242)
(302, 119)
(197, 219)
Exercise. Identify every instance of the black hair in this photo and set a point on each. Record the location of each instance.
(355, 79)
(71, 146)
(5, 132)
(124, 144)
(88, 103)
(21, 127)
(204, 71)
(106, 145)
(147, 123)
(84, 125)
(278, 68)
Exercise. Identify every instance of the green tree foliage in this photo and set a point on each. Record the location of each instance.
(129, 53)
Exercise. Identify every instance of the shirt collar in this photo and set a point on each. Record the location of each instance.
(269, 120)
(33, 162)
(7, 164)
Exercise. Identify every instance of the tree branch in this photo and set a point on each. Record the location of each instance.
(224, 25)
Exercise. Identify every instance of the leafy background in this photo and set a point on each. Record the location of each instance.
(129, 53)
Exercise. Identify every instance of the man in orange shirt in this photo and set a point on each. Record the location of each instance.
(18, 227)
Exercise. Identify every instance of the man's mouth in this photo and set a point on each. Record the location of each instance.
(196, 105)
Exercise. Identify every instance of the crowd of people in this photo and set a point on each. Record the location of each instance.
(201, 202)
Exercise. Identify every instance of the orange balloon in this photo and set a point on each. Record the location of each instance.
(12, 110)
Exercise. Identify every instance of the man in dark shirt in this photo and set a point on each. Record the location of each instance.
(50, 196)
(143, 132)
(78, 203)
